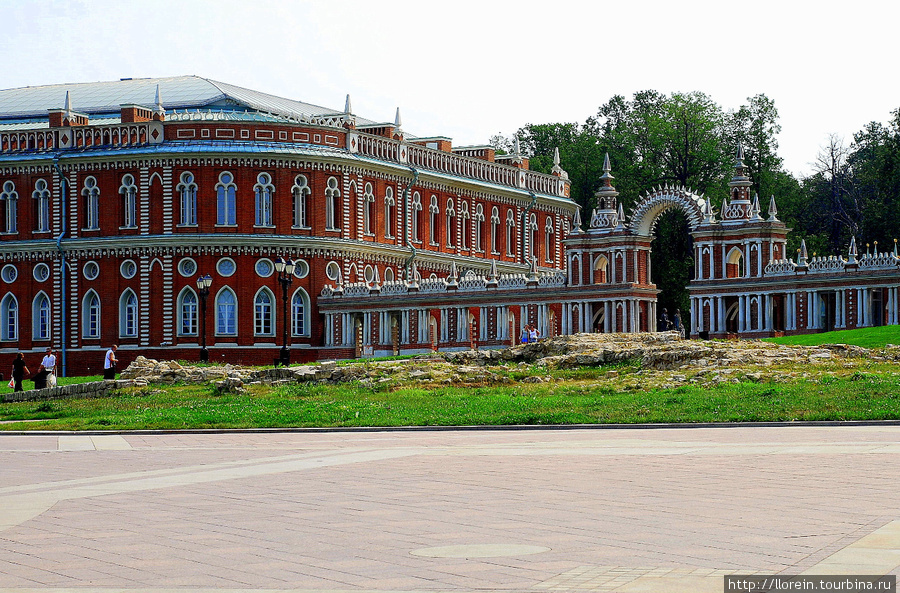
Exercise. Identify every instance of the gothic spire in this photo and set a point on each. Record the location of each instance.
(397, 121)
(159, 108)
(347, 107)
(773, 210)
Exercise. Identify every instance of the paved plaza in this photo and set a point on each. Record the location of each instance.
(594, 509)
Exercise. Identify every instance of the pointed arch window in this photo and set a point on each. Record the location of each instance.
(389, 205)
(226, 313)
(463, 224)
(263, 313)
(128, 191)
(300, 191)
(41, 195)
(128, 314)
(495, 229)
(91, 195)
(300, 313)
(263, 191)
(226, 200)
(40, 317)
(187, 190)
(479, 226)
(187, 312)
(9, 199)
(449, 218)
(510, 233)
(90, 316)
(433, 211)
(9, 318)
(548, 239)
(417, 218)
(368, 199)
(332, 205)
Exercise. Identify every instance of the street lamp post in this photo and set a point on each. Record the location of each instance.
(284, 267)
(203, 284)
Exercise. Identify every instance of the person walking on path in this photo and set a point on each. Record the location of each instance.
(19, 370)
(109, 364)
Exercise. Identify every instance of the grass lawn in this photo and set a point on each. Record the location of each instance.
(833, 392)
(867, 337)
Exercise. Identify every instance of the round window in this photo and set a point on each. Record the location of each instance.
(264, 268)
(226, 266)
(332, 270)
(301, 268)
(91, 270)
(41, 272)
(128, 269)
(187, 267)
(9, 273)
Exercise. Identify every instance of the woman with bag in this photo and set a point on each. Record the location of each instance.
(19, 370)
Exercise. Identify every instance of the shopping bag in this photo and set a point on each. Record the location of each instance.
(12, 384)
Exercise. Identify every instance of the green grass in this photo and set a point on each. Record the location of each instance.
(869, 392)
(867, 337)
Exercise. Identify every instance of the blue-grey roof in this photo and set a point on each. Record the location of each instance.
(176, 92)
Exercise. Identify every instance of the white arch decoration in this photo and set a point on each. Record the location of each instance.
(648, 209)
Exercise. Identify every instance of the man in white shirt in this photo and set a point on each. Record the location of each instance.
(109, 363)
(49, 361)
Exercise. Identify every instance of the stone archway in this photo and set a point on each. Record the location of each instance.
(648, 209)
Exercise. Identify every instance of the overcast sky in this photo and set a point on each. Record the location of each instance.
(471, 69)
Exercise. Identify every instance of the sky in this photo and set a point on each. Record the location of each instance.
(472, 69)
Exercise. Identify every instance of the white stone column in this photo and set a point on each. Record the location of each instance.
(699, 274)
(741, 314)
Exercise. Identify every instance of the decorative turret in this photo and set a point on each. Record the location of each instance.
(620, 216)
(453, 278)
(398, 132)
(159, 114)
(739, 208)
(755, 209)
(576, 223)
(803, 256)
(66, 116)
(349, 118)
(853, 253)
(773, 210)
(557, 170)
(493, 279)
(709, 215)
(605, 215)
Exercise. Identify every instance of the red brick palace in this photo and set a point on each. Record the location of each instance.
(116, 197)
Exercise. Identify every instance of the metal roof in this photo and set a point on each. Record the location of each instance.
(176, 92)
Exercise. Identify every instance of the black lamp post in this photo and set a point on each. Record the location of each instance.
(203, 284)
(284, 268)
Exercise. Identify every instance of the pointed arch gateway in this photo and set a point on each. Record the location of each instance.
(648, 209)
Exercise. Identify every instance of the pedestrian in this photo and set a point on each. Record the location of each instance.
(534, 334)
(109, 363)
(677, 319)
(49, 364)
(19, 370)
(664, 321)
(526, 334)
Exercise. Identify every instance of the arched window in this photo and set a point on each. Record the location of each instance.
(300, 313)
(479, 225)
(300, 191)
(226, 313)
(601, 270)
(734, 265)
(368, 199)
(495, 229)
(128, 191)
(226, 198)
(187, 189)
(9, 198)
(41, 194)
(40, 317)
(449, 217)
(187, 312)
(332, 205)
(90, 315)
(533, 227)
(389, 213)
(417, 218)
(9, 318)
(262, 313)
(128, 314)
(463, 224)
(91, 195)
(548, 239)
(263, 191)
(433, 211)
(510, 233)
